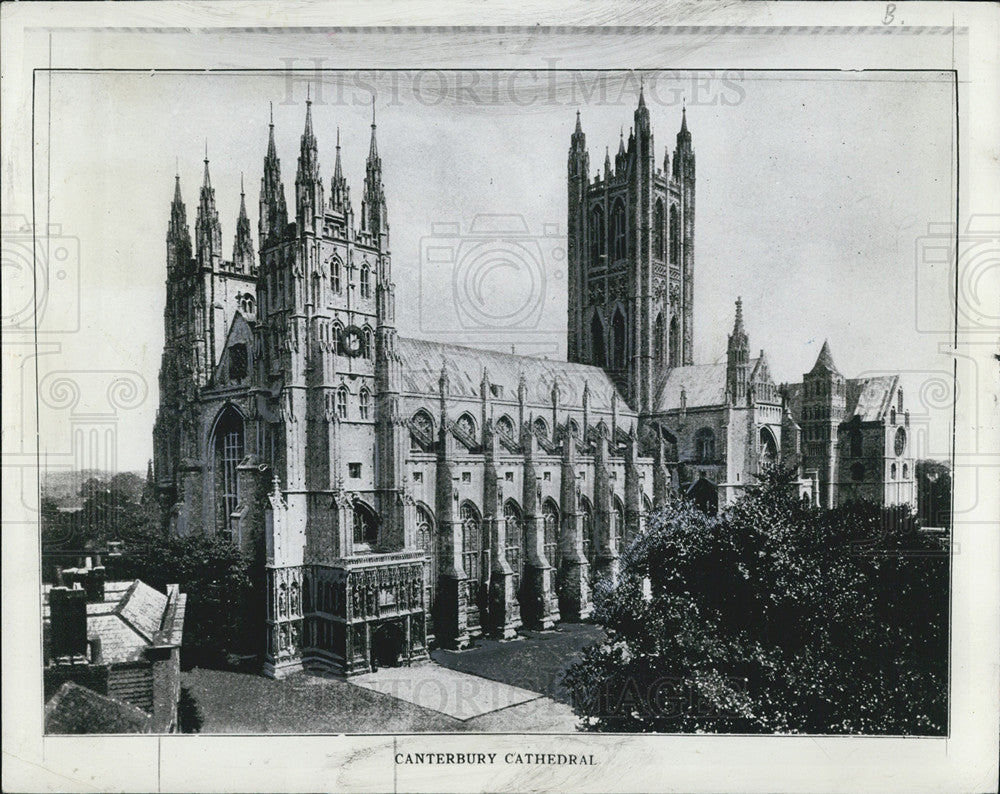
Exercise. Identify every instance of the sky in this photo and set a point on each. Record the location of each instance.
(814, 193)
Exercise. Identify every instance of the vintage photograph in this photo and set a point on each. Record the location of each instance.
(495, 401)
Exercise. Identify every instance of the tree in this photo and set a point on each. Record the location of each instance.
(220, 581)
(772, 617)
(933, 493)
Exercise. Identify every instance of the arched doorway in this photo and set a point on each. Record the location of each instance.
(388, 646)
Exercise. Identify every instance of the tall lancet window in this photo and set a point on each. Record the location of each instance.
(658, 230)
(618, 231)
(366, 282)
(675, 236)
(597, 357)
(618, 332)
(598, 235)
(658, 332)
(228, 446)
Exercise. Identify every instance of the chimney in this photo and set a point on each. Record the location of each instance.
(68, 610)
(93, 584)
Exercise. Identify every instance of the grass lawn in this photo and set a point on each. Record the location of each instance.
(226, 701)
(535, 662)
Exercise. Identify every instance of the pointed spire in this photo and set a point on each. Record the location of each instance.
(308, 184)
(579, 127)
(273, 214)
(177, 189)
(178, 235)
(738, 325)
(824, 362)
(607, 162)
(642, 100)
(243, 260)
(684, 116)
(208, 181)
(373, 150)
(621, 140)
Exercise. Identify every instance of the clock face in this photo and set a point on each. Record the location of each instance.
(900, 441)
(351, 341)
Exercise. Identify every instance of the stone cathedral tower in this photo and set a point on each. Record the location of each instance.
(631, 259)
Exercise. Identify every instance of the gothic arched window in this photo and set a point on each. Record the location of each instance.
(228, 445)
(335, 268)
(617, 523)
(658, 332)
(366, 281)
(471, 543)
(768, 447)
(618, 340)
(367, 343)
(421, 430)
(658, 230)
(364, 403)
(427, 542)
(704, 443)
(550, 520)
(467, 425)
(587, 521)
(365, 524)
(541, 427)
(338, 329)
(505, 426)
(597, 341)
(513, 526)
(675, 236)
(597, 234)
(675, 343)
(342, 402)
(618, 239)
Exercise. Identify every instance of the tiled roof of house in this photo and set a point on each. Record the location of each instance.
(703, 385)
(77, 709)
(422, 362)
(129, 619)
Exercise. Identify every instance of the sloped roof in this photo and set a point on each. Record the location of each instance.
(127, 620)
(422, 361)
(869, 399)
(77, 709)
(703, 384)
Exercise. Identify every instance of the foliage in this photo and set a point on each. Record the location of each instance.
(772, 617)
(223, 585)
(933, 493)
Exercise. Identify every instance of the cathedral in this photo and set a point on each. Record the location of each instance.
(405, 492)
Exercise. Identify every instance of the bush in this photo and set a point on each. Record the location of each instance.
(772, 617)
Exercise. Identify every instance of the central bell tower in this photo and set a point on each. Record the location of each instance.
(631, 258)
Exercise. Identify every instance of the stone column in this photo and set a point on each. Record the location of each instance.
(539, 605)
(574, 589)
(606, 559)
(502, 619)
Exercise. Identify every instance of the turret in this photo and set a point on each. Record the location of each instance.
(308, 183)
(208, 232)
(243, 259)
(738, 360)
(273, 212)
(374, 216)
(340, 192)
(178, 235)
